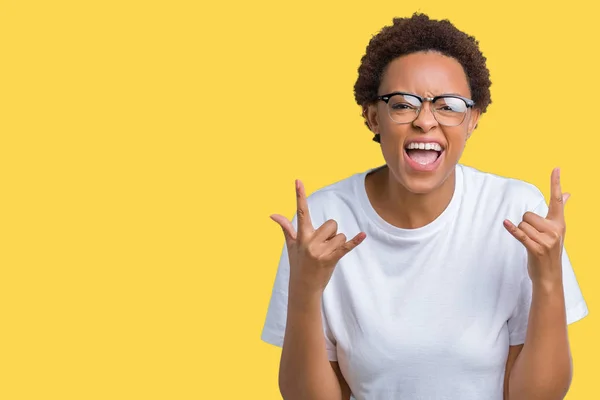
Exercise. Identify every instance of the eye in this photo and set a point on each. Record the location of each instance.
(450, 105)
(403, 103)
(402, 106)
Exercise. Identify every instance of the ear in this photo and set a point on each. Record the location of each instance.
(372, 117)
(473, 120)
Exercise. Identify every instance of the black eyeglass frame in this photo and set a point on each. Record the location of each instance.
(386, 98)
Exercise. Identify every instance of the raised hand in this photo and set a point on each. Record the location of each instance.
(544, 237)
(313, 254)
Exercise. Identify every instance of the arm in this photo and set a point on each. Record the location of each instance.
(513, 353)
(543, 369)
(305, 371)
(346, 392)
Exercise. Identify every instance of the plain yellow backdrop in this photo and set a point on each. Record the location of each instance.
(144, 144)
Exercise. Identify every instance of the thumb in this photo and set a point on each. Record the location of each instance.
(286, 227)
(566, 197)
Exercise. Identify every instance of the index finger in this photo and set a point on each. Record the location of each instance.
(304, 222)
(556, 207)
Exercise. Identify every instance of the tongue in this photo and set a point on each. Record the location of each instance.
(423, 157)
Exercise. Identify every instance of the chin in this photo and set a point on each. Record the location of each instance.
(423, 182)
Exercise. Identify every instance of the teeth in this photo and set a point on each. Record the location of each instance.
(424, 146)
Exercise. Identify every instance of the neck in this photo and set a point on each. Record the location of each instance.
(403, 209)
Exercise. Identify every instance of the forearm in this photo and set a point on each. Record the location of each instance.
(543, 368)
(305, 371)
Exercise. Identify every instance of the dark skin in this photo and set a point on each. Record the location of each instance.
(538, 369)
(411, 199)
(396, 189)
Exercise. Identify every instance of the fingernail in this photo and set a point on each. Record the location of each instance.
(558, 172)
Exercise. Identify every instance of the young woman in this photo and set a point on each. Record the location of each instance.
(454, 283)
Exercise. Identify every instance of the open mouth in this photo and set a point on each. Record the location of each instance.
(424, 154)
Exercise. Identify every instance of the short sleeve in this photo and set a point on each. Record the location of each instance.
(274, 327)
(575, 305)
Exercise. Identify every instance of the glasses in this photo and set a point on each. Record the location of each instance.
(448, 110)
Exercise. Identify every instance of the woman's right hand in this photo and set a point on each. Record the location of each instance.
(313, 254)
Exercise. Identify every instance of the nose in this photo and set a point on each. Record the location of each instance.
(425, 120)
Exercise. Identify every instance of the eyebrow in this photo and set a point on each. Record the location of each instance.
(443, 94)
(447, 94)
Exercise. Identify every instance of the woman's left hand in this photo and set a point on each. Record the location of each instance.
(544, 237)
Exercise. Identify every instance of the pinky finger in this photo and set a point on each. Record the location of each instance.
(521, 236)
(350, 245)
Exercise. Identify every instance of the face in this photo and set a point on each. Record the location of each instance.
(426, 74)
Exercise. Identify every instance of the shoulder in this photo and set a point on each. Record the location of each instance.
(492, 189)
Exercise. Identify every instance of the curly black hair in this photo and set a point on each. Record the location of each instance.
(415, 34)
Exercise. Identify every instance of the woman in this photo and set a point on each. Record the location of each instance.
(438, 295)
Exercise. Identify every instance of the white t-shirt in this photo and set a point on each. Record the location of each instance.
(426, 313)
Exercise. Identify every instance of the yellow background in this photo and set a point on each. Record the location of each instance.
(144, 144)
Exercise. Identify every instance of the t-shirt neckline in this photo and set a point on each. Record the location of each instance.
(416, 233)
